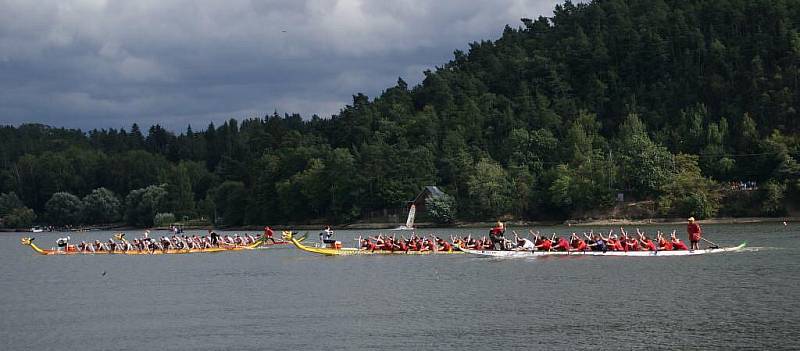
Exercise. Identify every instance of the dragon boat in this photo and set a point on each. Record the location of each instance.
(335, 249)
(72, 249)
(525, 254)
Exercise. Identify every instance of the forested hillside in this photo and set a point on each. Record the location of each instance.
(669, 101)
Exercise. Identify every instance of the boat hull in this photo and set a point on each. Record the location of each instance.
(358, 252)
(361, 252)
(72, 251)
(526, 254)
(136, 252)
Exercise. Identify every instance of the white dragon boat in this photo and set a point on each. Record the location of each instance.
(525, 253)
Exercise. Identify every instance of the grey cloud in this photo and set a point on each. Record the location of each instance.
(101, 64)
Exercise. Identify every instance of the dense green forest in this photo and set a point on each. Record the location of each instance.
(667, 101)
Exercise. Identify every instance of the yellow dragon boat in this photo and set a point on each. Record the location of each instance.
(337, 250)
(71, 250)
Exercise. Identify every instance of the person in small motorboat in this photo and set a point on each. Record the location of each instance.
(695, 233)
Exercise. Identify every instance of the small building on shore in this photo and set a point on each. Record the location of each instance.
(430, 191)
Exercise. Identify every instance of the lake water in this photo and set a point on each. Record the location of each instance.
(285, 299)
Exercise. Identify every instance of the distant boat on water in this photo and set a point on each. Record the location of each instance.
(37, 230)
(410, 220)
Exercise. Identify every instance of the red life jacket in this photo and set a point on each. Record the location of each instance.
(694, 231)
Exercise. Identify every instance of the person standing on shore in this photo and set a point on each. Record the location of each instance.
(695, 234)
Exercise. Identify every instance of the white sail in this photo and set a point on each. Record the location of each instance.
(410, 220)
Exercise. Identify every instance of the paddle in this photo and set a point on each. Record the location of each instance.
(714, 246)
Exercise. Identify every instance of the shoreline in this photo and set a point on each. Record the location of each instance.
(378, 225)
(720, 220)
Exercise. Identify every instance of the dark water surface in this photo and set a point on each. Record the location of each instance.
(285, 299)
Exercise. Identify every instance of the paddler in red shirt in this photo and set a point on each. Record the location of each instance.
(544, 244)
(561, 244)
(445, 246)
(615, 242)
(402, 245)
(695, 233)
(646, 243)
(663, 243)
(577, 243)
(676, 243)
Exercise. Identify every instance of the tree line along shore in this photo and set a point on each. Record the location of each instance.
(607, 108)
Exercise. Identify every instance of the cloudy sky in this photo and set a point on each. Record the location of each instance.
(106, 64)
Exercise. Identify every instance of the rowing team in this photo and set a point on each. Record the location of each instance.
(597, 242)
(147, 244)
(414, 243)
